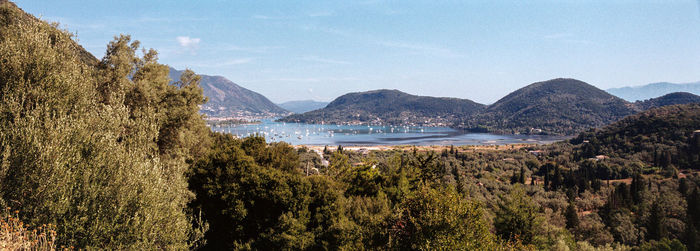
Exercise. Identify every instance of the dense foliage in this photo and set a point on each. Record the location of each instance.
(97, 149)
(253, 198)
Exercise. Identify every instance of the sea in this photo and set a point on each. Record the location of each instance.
(368, 135)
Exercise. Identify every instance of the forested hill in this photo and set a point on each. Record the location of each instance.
(389, 107)
(666, 137)
(557, 106)
(675, 98)
(226, 98)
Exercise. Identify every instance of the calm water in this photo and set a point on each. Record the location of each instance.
(347, 135)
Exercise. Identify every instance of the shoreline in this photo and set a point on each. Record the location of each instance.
(436, 148)
(380, 136)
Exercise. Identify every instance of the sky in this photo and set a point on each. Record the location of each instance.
(479, 50)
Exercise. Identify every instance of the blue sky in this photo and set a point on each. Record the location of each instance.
(480, 50)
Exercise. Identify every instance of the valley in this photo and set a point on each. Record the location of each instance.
(554, 107)
(372, 135)
(121, 151)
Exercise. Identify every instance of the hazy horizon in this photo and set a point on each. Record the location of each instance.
(479, 51)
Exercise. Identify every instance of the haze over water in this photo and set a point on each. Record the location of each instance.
(363, 135)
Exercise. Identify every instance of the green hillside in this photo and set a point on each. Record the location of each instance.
(389, 107)
(675, 98)
(662, 137)
(558, 106)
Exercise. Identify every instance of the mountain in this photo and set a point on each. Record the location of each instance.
(302, 106)
(558, 106)
(644, 92)
(391, 107)
(226, 98)
(675, 98)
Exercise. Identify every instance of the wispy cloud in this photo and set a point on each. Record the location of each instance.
(221, 64)
(323, 60)
(303, 80)
(267, 17)
(321, 14)
(412, 47)
(333, 31)
(115, 24)
(185, 41)
(297, 16)
(70, 24)
(558, 35)
(393, 12)
(567, 37)
(370, 2)
(261, 17)
(236, 62)
(420, 48)
(257, 49)
(580, 41)
(189, 44)
(166, 19)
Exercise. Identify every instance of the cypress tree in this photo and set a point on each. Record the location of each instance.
(556, 179)
(692, 236)
(655, 222)
(693, 210)
(546, 177)
(637, 188)
(572, 220)
(683, 187)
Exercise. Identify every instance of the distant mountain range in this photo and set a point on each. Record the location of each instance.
(559, 106)
(389, 107)
(302, 106)
(639, 93)
(226, 98)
